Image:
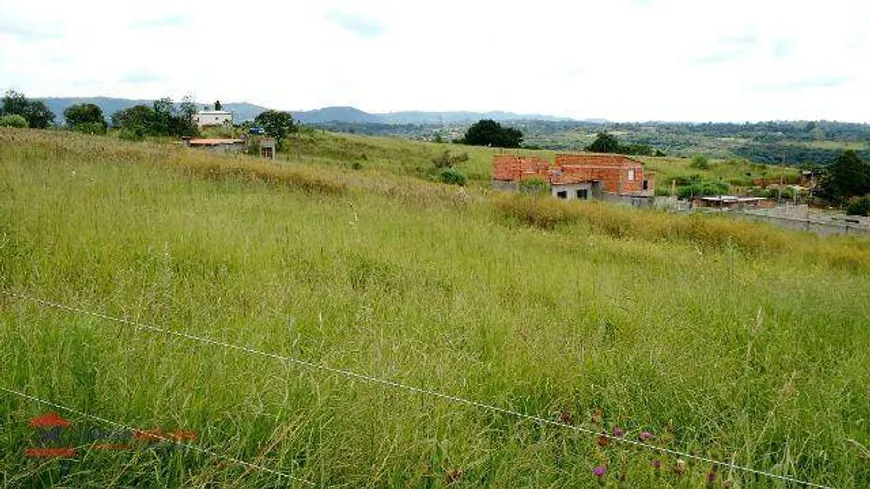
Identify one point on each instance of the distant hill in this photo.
(108, 104)
(353, 115)
(244, 111)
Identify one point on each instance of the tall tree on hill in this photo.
(277, 124)
(35, 111)
(488, 132)
(85, 115)
(847, 177)
(218, 105)
(604, 143)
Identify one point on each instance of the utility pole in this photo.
(781, 175)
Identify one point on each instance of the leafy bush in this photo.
(702, 189)
(13, 120)
(132, 134)
(90, 128)
(447, 160)
(859, 206)
(452, 176)
(700, 162)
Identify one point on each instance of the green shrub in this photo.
(447, 160)
(700, 162)
(859, 206)
(534, 186)
(356, 165)
(90, 128)
(702, 189)
(13, 120)
(453, 176)
(132, 134)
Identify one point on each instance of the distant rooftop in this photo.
(214, 142)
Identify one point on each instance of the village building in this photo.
(579, 176)
(205, 118)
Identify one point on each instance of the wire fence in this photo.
(416, 390)
(153, 435)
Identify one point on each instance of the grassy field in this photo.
(394, 156)
(721, 338)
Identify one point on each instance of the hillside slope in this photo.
(718, 338)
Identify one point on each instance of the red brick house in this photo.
(580, 176)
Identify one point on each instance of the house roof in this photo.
(214, 142)
(214, 112)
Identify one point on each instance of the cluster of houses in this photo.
(267, 146)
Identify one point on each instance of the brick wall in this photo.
(512, 168)
(618, 174)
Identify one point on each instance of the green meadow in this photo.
(722, 339)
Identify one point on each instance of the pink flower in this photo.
(646, 435)
(657, 464)
(599, 471)
(617, 432)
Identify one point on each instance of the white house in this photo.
(212, 117)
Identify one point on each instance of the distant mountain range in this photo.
(244, 111)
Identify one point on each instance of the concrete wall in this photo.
(628, 200)
(571, 191)
(212, 119)
(224, 148)
(808, 225)
(506, 186)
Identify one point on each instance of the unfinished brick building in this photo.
(577, 176)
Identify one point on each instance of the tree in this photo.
(78, 115)
(847, 177)
(218, 105)
(488, 132)
(604, 143)
(35, 111)
(277, 124)
(135, 121)
(182, 124)
(161, 120)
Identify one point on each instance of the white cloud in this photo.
(621, 59)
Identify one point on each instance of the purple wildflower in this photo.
(646, 435)
(657, 464)
(617, 432)
(599, 471)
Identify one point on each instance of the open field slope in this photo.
(414, 158)
(739, 343)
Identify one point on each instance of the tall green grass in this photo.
(750, 348)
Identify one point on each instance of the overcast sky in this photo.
(697, 60)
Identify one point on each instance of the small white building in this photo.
(212, 118)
